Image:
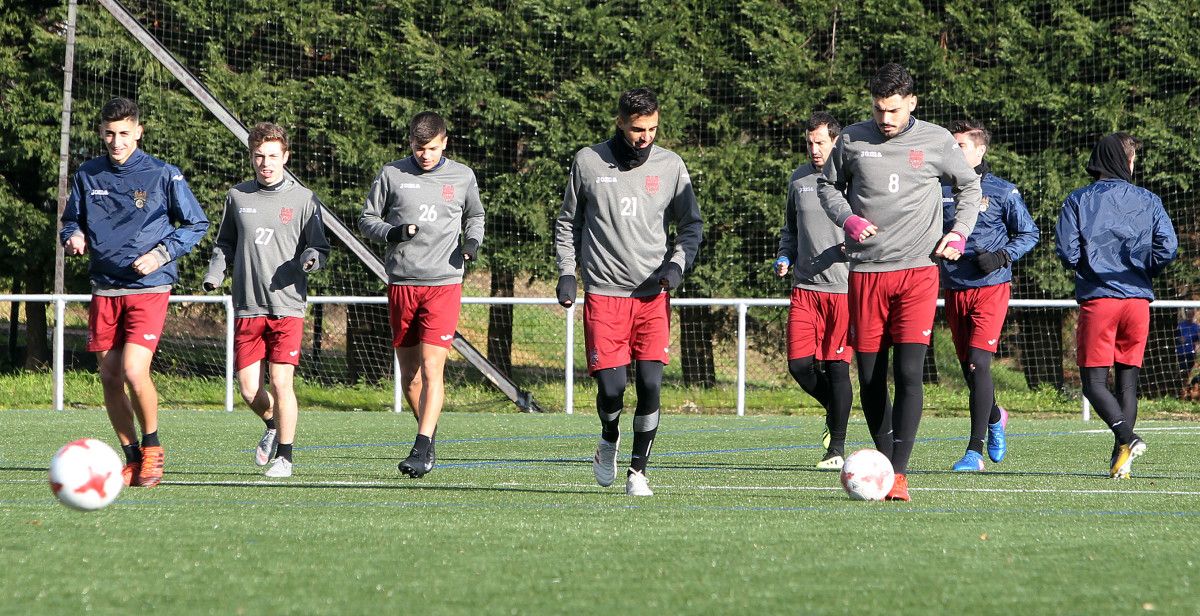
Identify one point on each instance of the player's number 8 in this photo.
(894, 182)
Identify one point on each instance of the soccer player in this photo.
(620, 197)
(978, 287)
(135, 216)
(273, 237)
(420, 206)
(882, 185)
(810, 246)
(1116, 236)
(1185, 342)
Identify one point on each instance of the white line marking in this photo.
(1184, 429)
(404, 483)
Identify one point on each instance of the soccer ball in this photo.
(867, 475)
(86, 474)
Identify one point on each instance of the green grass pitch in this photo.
(511, 522)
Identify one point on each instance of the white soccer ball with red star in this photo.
(867, 475)
(86, 474)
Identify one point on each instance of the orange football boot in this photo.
(152, 467)
(130, 472)
(899, 490)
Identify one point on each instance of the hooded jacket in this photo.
(1116, 236)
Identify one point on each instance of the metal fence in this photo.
(547, 345)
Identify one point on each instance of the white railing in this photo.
(741, 304)
(60, 303)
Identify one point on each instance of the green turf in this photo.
(511, 522)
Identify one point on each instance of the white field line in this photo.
(997, 490)
(682, 488)
(1184, 429)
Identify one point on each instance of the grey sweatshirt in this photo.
(614, 223)
(268, 234)
(896, 185)
(809, 239)
(439, 202)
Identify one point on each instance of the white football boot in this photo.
(266, 447)
(279, 469)
(636, 484)
(604, 464)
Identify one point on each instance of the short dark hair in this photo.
(1129, 143)
(637, 102)
(973, 129)
(891, 80)
(425, 127)
(266, 131)
(118, 109)
(821, 118)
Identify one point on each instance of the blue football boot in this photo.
(971, 461)
(997, 442)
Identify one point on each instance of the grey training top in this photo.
(809, 239)
(439, 202)
(614, 223)
(896, 185)
(268, 234)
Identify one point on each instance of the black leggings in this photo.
(893, 425)
(610, 399)
(977, 371)
(829, 383)
(1118, 411)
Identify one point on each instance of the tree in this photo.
(30, 105)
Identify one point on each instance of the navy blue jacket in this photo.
(1003, 224)
(125, 211)
(1116, 236)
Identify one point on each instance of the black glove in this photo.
(670, 275)
(989, 262)
(402, 233)
(208, 286)
(310, 260)
(470, 250)
(566, 289)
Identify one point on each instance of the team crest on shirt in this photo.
(286, 214)
(139, 198)
(652, 183)
(983, 203)
(916, 158)
(448, 192)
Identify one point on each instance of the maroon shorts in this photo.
(1112, 330)
(817, 325)
(126, 319)
(275, 339)
(976, 317)
(892, 307)
(424, 314)
(619, 329)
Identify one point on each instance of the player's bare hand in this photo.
(146, 264)
(76, 245)
(951, 247)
